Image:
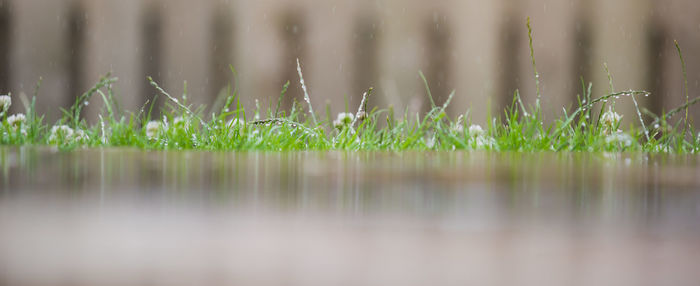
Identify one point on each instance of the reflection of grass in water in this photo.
(589, 127)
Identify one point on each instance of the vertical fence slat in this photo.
(657, 79)
(331, 28)
(675, 20)
(553, 41)
(365, 54)
(186, 48)
(221, 55)
(582, 47)
(39, 51)
(621, 42)
(112, 46)
(476, 53)
(75, 45)
(510, 51)
(5, 40)
(292, 30)
(438, 57)
(152, 52)
(400, 55)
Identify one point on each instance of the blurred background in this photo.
(479, 48)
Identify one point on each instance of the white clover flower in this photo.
(65, 134)
(611, 117)
(662, 149)
(610, 120)
(430, 142)
(5, 102)
(60, 133)
(479, 139)
(481, 142)
(476, 131)
(182, 121)
(16, 120)
(233, 123)
(153, 128)
(619, 139)
(178, 120)
(344, 119)
(80, 136)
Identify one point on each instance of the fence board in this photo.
(40, 50)
(478, 48)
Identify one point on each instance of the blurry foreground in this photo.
(124, 217)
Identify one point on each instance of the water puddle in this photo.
(129, 217)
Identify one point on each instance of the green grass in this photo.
(593, 125)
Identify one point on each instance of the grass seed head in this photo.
(458, 127)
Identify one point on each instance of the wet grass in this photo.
(593, 125)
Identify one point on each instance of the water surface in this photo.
(129, 217)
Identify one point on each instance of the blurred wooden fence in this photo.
(479, 48)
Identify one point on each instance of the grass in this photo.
(592, 125)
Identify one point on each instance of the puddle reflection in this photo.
(238, 216)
